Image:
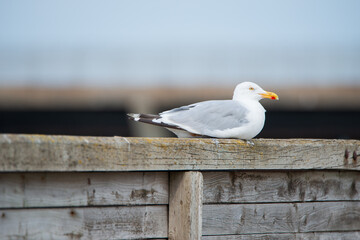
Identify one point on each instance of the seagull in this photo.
(242, 117)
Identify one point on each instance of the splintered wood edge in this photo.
(24, 153)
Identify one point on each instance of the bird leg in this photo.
(249, 142)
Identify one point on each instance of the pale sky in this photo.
(178, 42)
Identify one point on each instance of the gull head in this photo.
(252, 91)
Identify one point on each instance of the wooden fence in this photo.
(62, 187)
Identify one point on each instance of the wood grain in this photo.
(68, 153)
(185, 205)
(19, 190)
(221, 219)
(287, 236)
(280, 186)
(84, 223)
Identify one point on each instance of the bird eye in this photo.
(251, 88)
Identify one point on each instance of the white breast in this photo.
(256, 120)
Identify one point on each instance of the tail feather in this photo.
(157, 121)
(149, 118)
(133, 116)
(138, 116)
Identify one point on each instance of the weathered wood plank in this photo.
(68, 153)
(287, 236)
(280, 186)
(84, 223)
(82, 189)
(281, 218)
(185, 205)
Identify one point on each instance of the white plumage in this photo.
(242, 117)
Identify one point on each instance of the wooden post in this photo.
(185, 205)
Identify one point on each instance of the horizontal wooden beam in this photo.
(137, 222)
(286, 236)
(68, 153)
(83, 189)
(258, 187)
(233, 219)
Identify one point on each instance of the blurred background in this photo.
(77, 67)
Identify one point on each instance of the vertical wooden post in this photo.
(185, 205)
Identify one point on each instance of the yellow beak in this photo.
(270, 95)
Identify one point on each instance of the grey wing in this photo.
(204, 117)
(179, 109)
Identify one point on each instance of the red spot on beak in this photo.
(269, 95)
